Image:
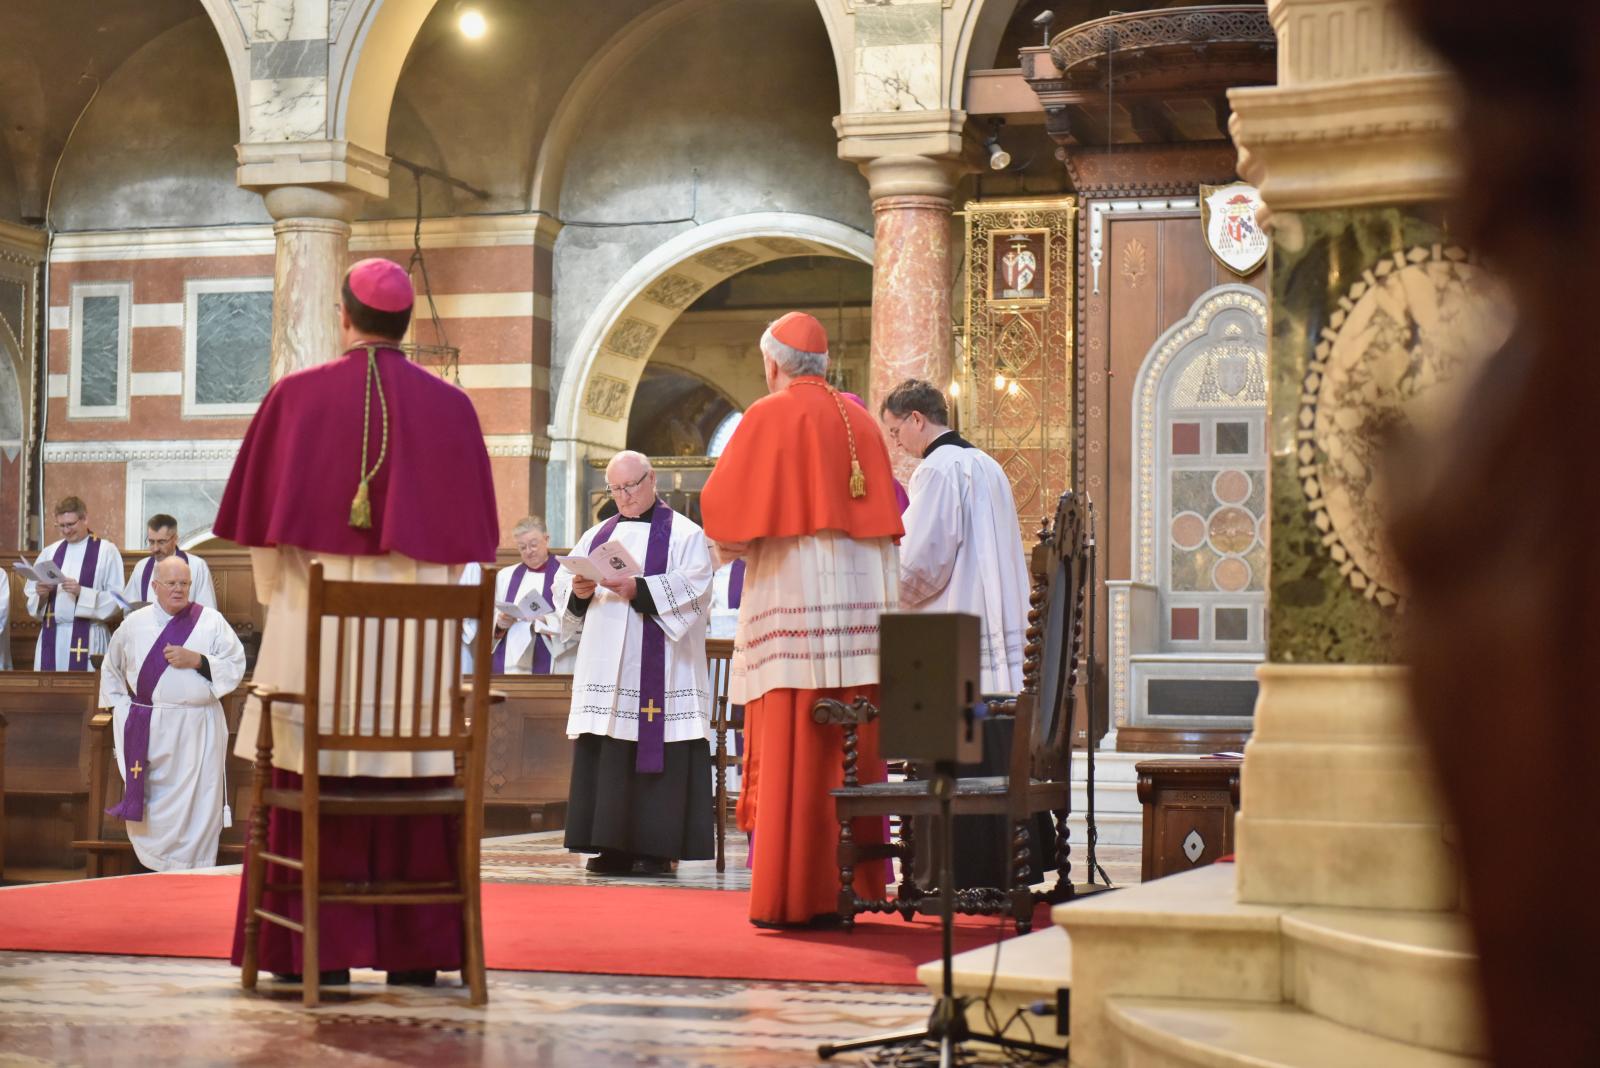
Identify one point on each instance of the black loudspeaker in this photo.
(928, 672)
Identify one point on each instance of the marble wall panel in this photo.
(1321, 609)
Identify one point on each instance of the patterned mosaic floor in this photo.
(110, 1011)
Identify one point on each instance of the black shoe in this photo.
(608, 863)
(336, 977)
(414, 977)
(655, 866)
(822, 921)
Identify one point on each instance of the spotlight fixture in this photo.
(1045, 20)
(472, 24)
(999, 381)
(999, 158)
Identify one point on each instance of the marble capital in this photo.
(338, 164)
(912, 178)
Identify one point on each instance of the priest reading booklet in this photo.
(641, 703)
(73, 611)
(161, 535)
(527, 633)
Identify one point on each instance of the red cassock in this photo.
(786, 474)
(432, 500)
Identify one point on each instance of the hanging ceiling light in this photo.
(999, 381)
(472, 24)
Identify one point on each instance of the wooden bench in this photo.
(47, 768)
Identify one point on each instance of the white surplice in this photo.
(610, 637)
(185, 784)
(963, 553)
(93, 602)
(283, 584)
(201, 589)
(808, 617)
(520, 637)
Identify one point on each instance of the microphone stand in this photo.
(947, 1028)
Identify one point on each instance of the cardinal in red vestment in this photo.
(805, 494)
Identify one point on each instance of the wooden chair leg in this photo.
(1021, 868)
(472, 965)
(847, 873)
(255, 874)
(310, 910)
(1063, 855)
(720, 797)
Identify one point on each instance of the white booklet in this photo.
(44, 571)
(528, 606)
(604, 562)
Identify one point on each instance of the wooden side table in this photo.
(1188, 812)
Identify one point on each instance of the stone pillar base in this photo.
(1337, 804)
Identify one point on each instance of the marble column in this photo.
(312, 227)
(1371, 308)
(912, 334)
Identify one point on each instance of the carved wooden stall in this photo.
(47, 772)
(1189, 807)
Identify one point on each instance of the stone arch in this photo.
(982, 25)
(236, 43)
(591, 411)
(365, 54)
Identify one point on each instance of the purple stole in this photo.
(149, 569)
(651, 754)
(541, 653)
(736, 584)
(136, 731)
(76, 661)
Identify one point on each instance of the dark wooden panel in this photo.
(1184, 798)
(530, 757)
(46, 764)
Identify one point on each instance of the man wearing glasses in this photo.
(161, 534)
(74, 614)
(166, 671)
(522, 647)
(641, 698)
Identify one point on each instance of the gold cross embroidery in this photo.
(650, 710)
(136, 770)
(80, 649)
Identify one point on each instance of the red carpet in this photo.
(606, 930)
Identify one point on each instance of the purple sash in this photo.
(78, 648)
(136, 731)
(541, 653)
(149, 569)
(736, 584)
(651, 754)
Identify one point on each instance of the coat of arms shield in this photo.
(1233, 233)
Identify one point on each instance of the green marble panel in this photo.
(1191, 492)
(1315, 614)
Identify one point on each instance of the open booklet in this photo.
(126, 605)
(604, 563)
(529, 606)
(44, 571)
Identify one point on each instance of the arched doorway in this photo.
(621, 337)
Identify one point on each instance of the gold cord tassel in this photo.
(360, 504)
(361, 508)
(858, 481)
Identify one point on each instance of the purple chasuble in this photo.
(78, 648)
(150, 569)
(651, 754)
(136, 731)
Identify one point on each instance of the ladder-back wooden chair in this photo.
(1038, 779)
(719, 661)
(423, 709)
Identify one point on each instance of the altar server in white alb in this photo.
(161, 535)
(522, 647)
(166, 671)
(73, 617)
(963, 546)
(641, 705)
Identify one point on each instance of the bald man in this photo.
(166, 671)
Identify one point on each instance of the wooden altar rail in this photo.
(57, 767)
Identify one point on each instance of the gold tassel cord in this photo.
(361, 504)
(858, 478)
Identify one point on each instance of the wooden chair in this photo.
(1038, 780)
(451, 718)
(719, 657)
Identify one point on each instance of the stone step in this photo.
(1115, 828)
(1108, 797)
(1407, 976)
(1111, 766)
(1172, 1033)
(1030, 968)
